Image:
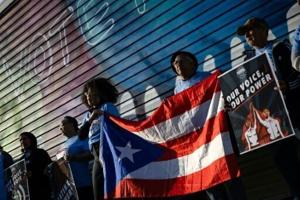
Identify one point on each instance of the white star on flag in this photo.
(127, 151)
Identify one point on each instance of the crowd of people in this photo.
(99, 96)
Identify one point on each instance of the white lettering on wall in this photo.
(97, 27)
(140, 6)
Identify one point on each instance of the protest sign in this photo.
(62, 182)
(257, 110)
(16, 181)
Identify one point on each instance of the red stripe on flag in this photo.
(208, 177)
(175, 105)
(189, 143)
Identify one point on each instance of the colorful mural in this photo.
(49, 49)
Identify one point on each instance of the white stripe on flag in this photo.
(185, 123)
(219, 147)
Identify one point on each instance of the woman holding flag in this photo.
(99, 95)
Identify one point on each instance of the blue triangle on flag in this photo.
(123, 152)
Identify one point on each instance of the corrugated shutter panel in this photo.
(50, 48)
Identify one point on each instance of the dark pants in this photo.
(292, 103)
(85, 193)
(230, 190)
(217, 192)
(97, 176)
(234, 187)
(287, 161)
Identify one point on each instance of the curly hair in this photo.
(106, 91)
(184, 53)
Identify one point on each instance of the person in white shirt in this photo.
(272, 124)
(185, 64)
(295, 55)
(250, 134)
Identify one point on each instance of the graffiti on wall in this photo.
(46, 60)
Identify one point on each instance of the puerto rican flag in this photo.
(182, 148)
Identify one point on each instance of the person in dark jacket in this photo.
(37, 161)
(285, 155)
(295, 56)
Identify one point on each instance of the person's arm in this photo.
(83, 131)
(247, 139)
(45, 158)
(259, 118)
(295, 55)
(254, 121)
(296, 62)
(278, 127)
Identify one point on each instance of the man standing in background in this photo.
(185, 65)
(296, 48)
(285, 155)
(78, 154)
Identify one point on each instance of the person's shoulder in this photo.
(110, 108)
(5, 154)
(77, 140)
(43, 155)
(41, 151)
(281, 45)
